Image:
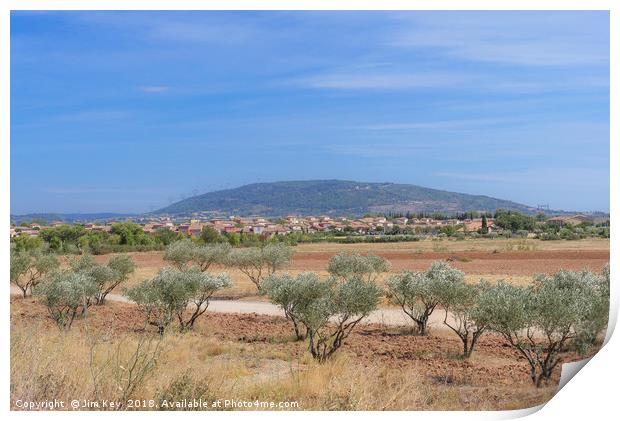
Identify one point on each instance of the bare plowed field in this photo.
(514, 260)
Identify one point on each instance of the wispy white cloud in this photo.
(183, 27)
(353, 80)
(528, 39)
(571, 176)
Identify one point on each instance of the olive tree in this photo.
(162, 297)
(332, 309)
(597, 315)
(180, 253)
(201, 287)
(168, 295)
(259, 262)
(107, 277)
(463, 313)
(183, 253)
(344, 265)
(208, 255)
(291, 293)
(276, 256)
(122, 266)
(64, 293)
(28, 268)
(419, 293)
(541, 319)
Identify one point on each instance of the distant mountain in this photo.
(69, 217)
(334, 197)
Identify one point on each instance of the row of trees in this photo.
(68, 292)
(129, 236)
(541, 320)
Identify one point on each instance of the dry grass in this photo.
(453, 245)
(221, 360)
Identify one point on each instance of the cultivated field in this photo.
(254, 357)
(513, 260)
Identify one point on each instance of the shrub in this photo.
(201, 287)
(464, 314)
(276, 256)
(419, 293)
(180, 253)
(541, 319)
(161, 297)
(167, 296)
(259, 262)
(106, 277)
(331, 311)
(28, 268)
(291, 293)
(567, 234)
(64, 293)
(206, 256)
(344, 265)
(123, 266)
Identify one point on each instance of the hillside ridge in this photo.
(335, 197)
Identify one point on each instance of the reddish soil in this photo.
(435, 356)
(500, 263)
(508, 263)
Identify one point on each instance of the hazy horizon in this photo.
(127, 112)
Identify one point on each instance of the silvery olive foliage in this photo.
(212, 254)
(464, 314)
(65, 293)
(328, 309)
(540, 320)
(257, 263)
(331, 311)
(123, 266)
(180, 253)
(106, 276)
(184, 253)
(597, 316)
(291, 292)
(419, 293)
(172, 292)
(201, 287)
(276, 256)
(161, 297)
(344, 265)
(29, 267)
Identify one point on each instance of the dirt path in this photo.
(385, 316)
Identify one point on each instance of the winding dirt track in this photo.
(385, 316)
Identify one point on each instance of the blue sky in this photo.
(128, 111)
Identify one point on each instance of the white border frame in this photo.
(591, 394)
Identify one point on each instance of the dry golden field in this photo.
(249, 357)
(491, 259)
